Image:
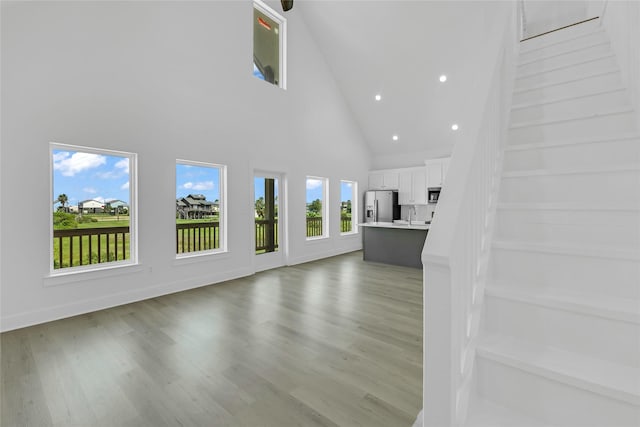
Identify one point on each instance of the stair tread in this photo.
(565, 81)
(568, 118)
(560, 67)
(525, 49)
(485, 413)
(578, 141)
(564, 52)
(572, 171)
(617, 88)
(624, 309)
(599, 376)
(564, 248)
(569, 206)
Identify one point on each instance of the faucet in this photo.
(411, 209)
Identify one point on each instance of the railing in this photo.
(345, 224)
(456, 251)
(85, 246)
(264, 241)
(314, 226)
(197, 236)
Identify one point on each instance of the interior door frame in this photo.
(278, 258)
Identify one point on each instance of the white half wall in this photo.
(166, 80)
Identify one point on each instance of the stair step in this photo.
(562, 248)
(564, 98)
(569, 58)
(578, 69)
(540, 269)
(594, 375)
(605, 306)
(575, 141)
(608, 78)
(484, 413)
(560, 48)
(563, 36)
(571, 117)
(625, 207)
(603, 100)
(633, 167)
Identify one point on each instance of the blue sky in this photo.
(191, 179)
(84, 176)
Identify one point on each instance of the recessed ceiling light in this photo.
(378, 97)
(443, 78)
(394, 137)
(454, 126)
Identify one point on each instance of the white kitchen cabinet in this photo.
(436, 171)
(412, 188)
(383, 180)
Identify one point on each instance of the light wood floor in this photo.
(337, 342)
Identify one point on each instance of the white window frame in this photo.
(282, 42)
(325, 207)
(354, 207)
(133, 211)
(222, 214)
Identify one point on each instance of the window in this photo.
(317, 219)
(348, 207)
(269, 44)
(199, 207)
(93, 209)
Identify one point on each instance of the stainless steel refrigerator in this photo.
(381, 206)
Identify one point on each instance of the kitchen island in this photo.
(394, 243)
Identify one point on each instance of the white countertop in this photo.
(401, 226)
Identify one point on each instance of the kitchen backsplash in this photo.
(422, 212)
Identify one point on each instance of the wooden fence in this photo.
(84, 246)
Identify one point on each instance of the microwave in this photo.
(433, 194)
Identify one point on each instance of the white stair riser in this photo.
(609, 187)
(611, 228)
(560, 48)
(553, 402)
(596, 154)
(591, 336)
(596, 103)
(564, 59)
(562, 36)
(589, 275)
(599, 126)
(574, 71)
(564, 88)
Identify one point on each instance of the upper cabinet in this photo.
(383, 180)
(413, 187)
(437, 171)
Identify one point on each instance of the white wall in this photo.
(622, 23)
(165, 80)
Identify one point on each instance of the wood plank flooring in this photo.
(336, 342)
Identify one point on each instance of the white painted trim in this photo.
(323, 255)
(30, 318)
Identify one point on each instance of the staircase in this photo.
(559, 343)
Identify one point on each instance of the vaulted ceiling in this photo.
(399, 49)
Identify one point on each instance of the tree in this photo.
(260, 207)
(315, 208)
(62, 199)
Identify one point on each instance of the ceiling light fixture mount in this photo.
(454, 126)
(378, 97)
(394, 137)
(443, 78)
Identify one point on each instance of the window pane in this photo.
(198, 207)
(346, 206)
(315, 207)
(266, 46)
(92, 207)
(266, 214)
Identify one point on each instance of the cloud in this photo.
(90, 190)
(124, 165)
(312, 184)
(199, 186)
(125, 186)
(71, 164)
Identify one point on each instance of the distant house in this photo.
(117, 206)
(90, 206)
(195, 206)
(73, 209)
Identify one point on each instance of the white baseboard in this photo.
(324, 254)
(75, 308)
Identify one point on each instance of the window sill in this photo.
(198, 257)
(349, 234)
(317, 238)
(63, 278)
